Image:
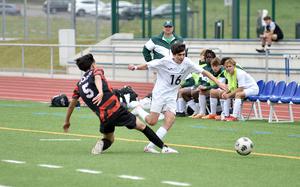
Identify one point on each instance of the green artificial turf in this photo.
(206, 156)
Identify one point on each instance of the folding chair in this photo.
(274, 99)
(286, 98)
(255, 102)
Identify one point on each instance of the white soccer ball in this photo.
(243, 146)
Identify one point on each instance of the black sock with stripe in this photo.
(150, 134)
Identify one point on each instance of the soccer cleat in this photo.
(168, 150)
(198, 116)
(262, 50)
(231, 118)
(192, 116)
(209, 116)
(180, 114)
(148, 149)
(218, 118)
(98, 148)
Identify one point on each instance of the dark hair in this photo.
(267, 18)
(84, 63)
(215, 62)
(177, 48)
(224, 59)
(210, 53)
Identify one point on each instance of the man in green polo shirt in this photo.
(159, 46)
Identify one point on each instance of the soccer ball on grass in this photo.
(243, 146)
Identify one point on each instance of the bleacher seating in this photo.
(282, 96)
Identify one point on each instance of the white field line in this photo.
(60, 140)
(49, 166)
(176, 183)
(130, 177)
(88, 171)
(144, 141)
(14, 161)
(4, 186)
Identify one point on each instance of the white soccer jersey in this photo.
(170, 74)
(244, 79)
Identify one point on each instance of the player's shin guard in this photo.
(150, 134)
(106, 143)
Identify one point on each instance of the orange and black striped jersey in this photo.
(87, 90)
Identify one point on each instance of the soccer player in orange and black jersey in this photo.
(95, 91)
(86, 89)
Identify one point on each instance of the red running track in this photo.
(43, 89)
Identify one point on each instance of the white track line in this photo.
(88, 171)
(3, 186)
(60, 140)
(49, 166)
(130, 177)
(176, 183)
(14, 161)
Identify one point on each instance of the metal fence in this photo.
(38, 23)
(115, 59)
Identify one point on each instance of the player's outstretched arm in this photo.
(137, 67)
(69, 114)
(213, 78)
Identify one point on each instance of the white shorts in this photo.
(163, 104)
(251, 91)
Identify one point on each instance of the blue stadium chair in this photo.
(296, 97)
(278, 91)
(274, 99)
(255, 101)
(286, 98)
(289, 93)
(261, 85)
(267, 91)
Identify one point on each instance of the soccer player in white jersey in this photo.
(170, 71)
(240, 84)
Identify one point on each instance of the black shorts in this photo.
(120, 118)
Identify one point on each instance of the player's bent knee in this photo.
(152, 122)
(139, 125)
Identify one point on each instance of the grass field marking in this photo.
(88, 171)
(4, 186)
(143, 141)
(59, 140)
(294, 135)
(175, 183)
(201, 147)
(50, 166)
(14, 161)
(131, 177)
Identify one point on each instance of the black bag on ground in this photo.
(60, 100)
